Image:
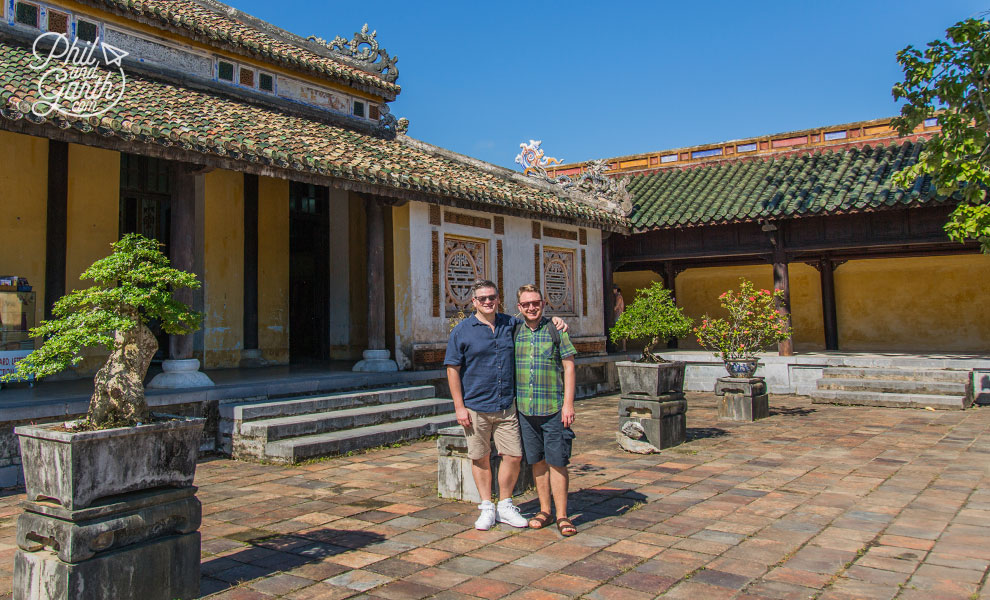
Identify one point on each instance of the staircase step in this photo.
(338, 442)
(310, 424)
(338, 401)
(893, 386)
(956, 376)
(938, 402)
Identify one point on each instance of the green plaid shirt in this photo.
(539, 377)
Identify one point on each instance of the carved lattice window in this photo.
(558, 280)
(464, 262)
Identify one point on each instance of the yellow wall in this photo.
(93, 206)
(223, 269)
(24, 210)
(273, 269)
(92, 222)
(697, 292)
(926, 304)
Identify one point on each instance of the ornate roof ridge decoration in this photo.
(389, 126)
(606, 193)
(363, 48)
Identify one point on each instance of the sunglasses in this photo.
(533, 304)
(486, 299)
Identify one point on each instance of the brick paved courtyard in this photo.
(814, 502)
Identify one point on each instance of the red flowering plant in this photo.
(753, 324)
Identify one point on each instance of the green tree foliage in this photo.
(131, 287)
(948, 80)
(653, 316)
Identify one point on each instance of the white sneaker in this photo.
(508, 513)
(487, 518)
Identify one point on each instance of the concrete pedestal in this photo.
(454, 478)
(376, 361)
(183, 373)
(742, 398)
(660, 422)
(138, 546)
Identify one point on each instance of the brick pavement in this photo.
(815, 502)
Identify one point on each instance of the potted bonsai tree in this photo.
(753, 326)
(652, 316)
(119, 437)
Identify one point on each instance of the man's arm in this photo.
(454, 381)
(567, 411)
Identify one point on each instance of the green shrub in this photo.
(652, 316)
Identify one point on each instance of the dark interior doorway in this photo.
(145, 208)
(309, 269)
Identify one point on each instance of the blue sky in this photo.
(605, 79)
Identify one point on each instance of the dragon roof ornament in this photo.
(365, 51)
(609, 193)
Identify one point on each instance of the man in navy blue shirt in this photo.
(481, 372)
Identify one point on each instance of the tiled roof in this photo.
(852, 179)
(211, 26)
(162, 114)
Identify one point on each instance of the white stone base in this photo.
(180, 374)
(376, 361)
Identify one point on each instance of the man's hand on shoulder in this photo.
(560, 324)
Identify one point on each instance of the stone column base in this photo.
(251, 358)
(742, 399)
(376, 361)
(182, 373)
(165, 569)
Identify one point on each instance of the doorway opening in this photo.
(309, 270)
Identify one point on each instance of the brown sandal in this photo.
(541, 518)
(566, 527)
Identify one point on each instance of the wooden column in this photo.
(826, 271)
(56, 223)
(250, 262)
(781, 281)
(608, 298)
(182, 245)
(376, 273)
(670, 282)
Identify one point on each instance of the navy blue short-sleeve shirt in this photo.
(487, 362)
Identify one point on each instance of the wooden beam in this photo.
(56, 223)
(376, 272)
(608, 297)
(182, 245)
(781, 281)
(250, 261)
(670, 282)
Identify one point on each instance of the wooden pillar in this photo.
(182, 245)
(670, 282)
(826, 272)
(250, 262)
(56, 223)
(608, 298)
(781, 281)
(376, 273)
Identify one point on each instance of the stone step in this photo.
(899, 374)
(893, 386)
(936, 401)
(318, 404)
(338, 442)
(270, 430)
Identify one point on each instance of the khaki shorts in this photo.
(503, 425)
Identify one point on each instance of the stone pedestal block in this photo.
(661, 424)
(454, 479)
(742, 398)
(164, 569)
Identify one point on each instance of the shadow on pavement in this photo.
(700, 433)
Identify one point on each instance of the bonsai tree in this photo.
(753, 324)
(653, 316)
(132, 286)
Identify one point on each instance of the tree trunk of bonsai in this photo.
(118, 397)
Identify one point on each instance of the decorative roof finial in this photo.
(363, 49)
(609, 192)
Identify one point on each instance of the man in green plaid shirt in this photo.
(545, 385)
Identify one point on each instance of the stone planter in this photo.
(742, 368)
(648, 380)
(76, 469)
(109, 514)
